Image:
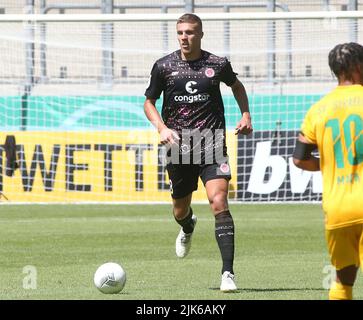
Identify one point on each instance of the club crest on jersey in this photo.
(224, 167)
(209, 72)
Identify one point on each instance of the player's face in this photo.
(189, 37)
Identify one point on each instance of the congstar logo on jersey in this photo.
(191, 87)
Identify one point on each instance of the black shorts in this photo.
(184, 177)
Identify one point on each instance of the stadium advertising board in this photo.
(266, 171)
(102, 167)
(115, 166)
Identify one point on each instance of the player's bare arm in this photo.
(166, 135)
(243, 126)
(303, 158)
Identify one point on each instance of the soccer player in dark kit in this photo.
(192, 122)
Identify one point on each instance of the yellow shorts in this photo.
(345, 246)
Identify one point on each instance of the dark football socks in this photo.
(224, 231)
(187, 223)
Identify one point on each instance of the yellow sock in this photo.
(339, 291)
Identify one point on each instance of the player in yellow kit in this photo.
(334, 126)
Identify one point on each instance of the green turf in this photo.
(280, 252)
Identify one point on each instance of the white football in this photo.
(110, 277)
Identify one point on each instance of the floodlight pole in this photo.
(271, 44)
(189, 6)
(42, 45)
(29, 64)
(353, 30)
(107, 46)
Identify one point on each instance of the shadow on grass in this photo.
(239, 290)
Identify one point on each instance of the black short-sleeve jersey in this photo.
(191, 90)
(191, 93)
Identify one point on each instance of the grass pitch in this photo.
(280, 252)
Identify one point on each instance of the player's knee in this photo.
(218, 202)
(180, 212)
